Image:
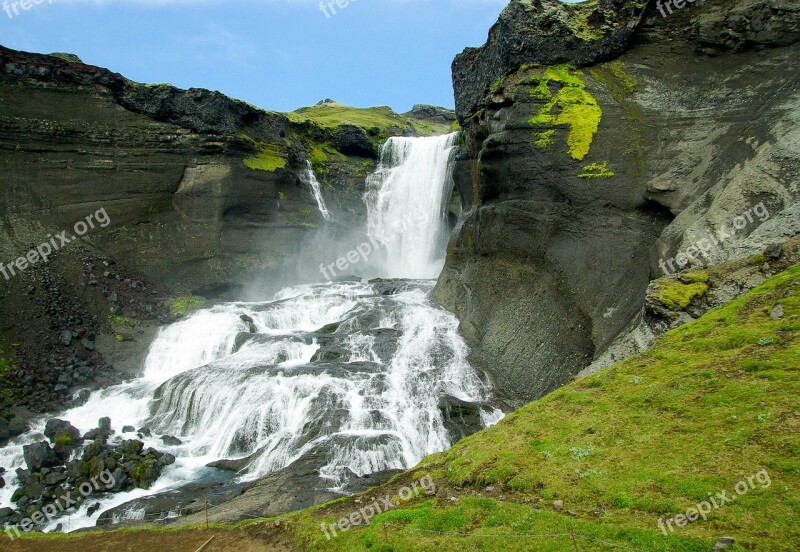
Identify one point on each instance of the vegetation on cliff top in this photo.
(377, 121)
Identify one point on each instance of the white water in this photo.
(373, 406)
(407, 200)
(316, 191)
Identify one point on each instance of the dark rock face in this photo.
(432, 113)
(547, 32)
(168, 165)
(564, 226)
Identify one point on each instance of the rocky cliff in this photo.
(606, 145)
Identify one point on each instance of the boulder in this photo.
(55, 429)
(39, 455)
(171, 441)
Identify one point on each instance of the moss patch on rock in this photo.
(596, 170)
(678, 294)
(270, 158)
(181, 307)
(566, 102)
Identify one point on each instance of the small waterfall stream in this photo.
(360, 375)
(311, 179)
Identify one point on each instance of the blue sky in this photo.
(276, 54)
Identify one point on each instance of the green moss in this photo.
(677, 295)
(270, 158)
(121, 323)
(498, 84)
(64, 440)
(544, 139)
(596, 170)
(182, 306)
(571, 105)
(627, 83)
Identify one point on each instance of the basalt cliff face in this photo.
(204, 192)
(602, 141)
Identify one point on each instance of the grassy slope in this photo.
(382, 118)
(713, 402)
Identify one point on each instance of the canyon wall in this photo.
(602, 140)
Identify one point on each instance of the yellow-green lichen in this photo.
(596, 170)
(571, 105)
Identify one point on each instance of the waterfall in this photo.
(358, 377)
(311, 179)
(407, 200)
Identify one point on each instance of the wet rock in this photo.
(104, 424)
(171, 441)
(55, 428)
(166, 459)
(461, 418)
(54, 478)
(7, 515)
(250, 323)
(231, 465)
(39, 455)
(128, 429)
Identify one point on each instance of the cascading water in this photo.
(407, 199)
(311, 179)
(358, 377)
